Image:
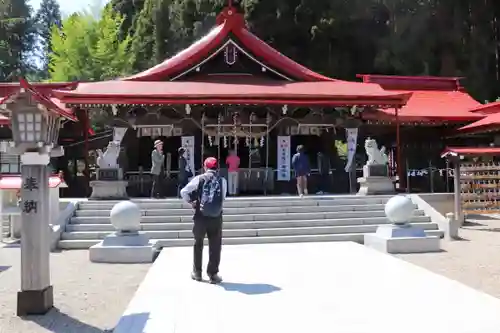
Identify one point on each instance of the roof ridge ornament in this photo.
(231, 15)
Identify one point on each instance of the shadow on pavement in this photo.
(58, 322)
(250, 288)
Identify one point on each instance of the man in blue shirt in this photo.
(302, 169)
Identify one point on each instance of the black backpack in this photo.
(210, 195)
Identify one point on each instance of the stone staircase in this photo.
(246, 220)
(5, 227)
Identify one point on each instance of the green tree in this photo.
(16, 39)
(143, 44)
(47, 16)
(87, 48)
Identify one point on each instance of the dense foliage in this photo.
(340, 38)
(335, 37)
(87, 48)
(48, 16)
(16, 39)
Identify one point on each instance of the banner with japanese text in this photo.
(187, 143)
(352, 141)
(284, 158)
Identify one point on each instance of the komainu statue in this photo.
(375, 155)
(109, 159)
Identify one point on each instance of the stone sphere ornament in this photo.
(399, 209)
(126, 216)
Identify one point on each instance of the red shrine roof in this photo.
(463, 151)
(15, 182)
(488, 124)
(300, 85)
(9, 89)
(489, 108)
(265, 92)
(433, 99)
(40, 92)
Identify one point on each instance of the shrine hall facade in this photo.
(232, 91)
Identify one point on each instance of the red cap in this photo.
(210, 163)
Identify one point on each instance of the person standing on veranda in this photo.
(157, 163)
(233, 168)
(206, 194)
(302, 169)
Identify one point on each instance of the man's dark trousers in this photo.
(212, 228)
(157, 188)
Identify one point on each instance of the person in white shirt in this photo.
(206, 194)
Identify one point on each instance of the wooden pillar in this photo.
(36, 295)
(86, 128)
(457, 197)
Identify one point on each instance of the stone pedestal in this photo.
(401, 237)
(109, 185)
(375, 180)
(125, 248)
(109, 189)
(127, 244)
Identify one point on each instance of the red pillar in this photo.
(86, 127)
(399, 159)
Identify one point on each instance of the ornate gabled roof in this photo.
(185, 78)
(230, 25)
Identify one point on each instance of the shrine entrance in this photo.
(249, 137)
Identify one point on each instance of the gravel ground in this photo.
(89, 298)
(474, 260)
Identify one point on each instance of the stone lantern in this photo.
(35, 122)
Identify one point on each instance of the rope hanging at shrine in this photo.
(203, 119)
(268, 123)
(219, 120)
(249, 145)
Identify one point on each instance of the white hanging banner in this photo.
(352, 141)
(187, 143)
(284, 158)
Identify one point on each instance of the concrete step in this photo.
(244, 203)
(247, 210)
(5, 230)
(246, 224)
(246, 217)
(356, 237)
(318, 230)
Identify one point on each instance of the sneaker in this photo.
(215, 279)
(196, 276)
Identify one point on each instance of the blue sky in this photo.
(71, 6)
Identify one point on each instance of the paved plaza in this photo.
(309, 287)
(91, 297)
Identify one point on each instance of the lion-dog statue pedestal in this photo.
(375, 178)
(109, 183)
